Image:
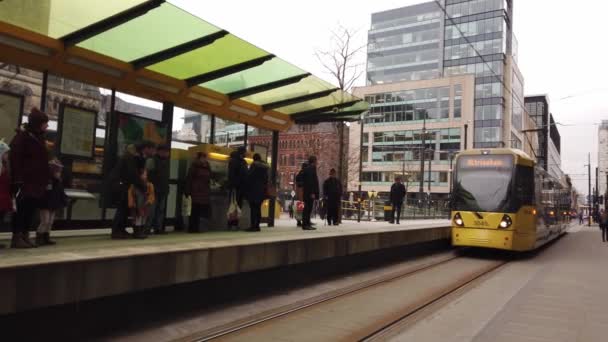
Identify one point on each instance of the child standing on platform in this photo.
(141, 201)
(6, 202)
(54, 199)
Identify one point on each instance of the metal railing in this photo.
(378, 210)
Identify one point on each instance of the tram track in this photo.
(332, 310)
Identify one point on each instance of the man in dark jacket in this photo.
(198, 188)
(158, 173)
(397, 196)
(237, 173)
(310, 192)
(299, 183)
(332, 192)
(125, 174)
(237, 178)
(257, 183)
(30, 173)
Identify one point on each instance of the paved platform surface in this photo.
(97, 245)
(559, 294)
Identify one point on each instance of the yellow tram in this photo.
(501, 200)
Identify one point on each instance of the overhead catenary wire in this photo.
(483, 59)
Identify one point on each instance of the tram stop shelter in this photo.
(155, 50)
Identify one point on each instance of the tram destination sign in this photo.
(486, 162)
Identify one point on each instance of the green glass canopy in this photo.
(161, 37)
(145, 35)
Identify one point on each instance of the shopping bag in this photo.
(186, 206)
(299, 209)
(234, 211)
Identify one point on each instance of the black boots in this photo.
(21, 240)
(44, 239)
(139, 233)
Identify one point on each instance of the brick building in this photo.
(297, 144)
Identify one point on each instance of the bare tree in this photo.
(341, 62)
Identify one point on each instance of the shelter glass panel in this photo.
(219, 55)
(57, 18)
(143, 36)
(273, 70)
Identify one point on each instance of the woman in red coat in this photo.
(30, 174)
(198, 188)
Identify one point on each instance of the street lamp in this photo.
(422, 153)
(362, 123)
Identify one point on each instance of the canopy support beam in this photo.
(267, 86)
(213, 75)
(336, 107)
(109, 23)
(298, 99)
(160, 56)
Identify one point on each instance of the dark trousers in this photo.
(256, 214)
(198, 211)
(332, 211)
(308, 204)
(396, 215)
(121, 216)
(24, 217)
(604, 233)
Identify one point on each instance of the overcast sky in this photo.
(562, 51)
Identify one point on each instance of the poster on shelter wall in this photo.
(133, 129)
(76, 132)
(11, 107)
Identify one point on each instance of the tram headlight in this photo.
(458, 220)
(506, 222)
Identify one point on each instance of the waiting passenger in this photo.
(125, 174)
(299, 183)
(604, 225)
(54, 199)
(332, 193)
(311, 192)
(141, 201)
(398, 193)
(30, 174)
(257, 184)
(198, 188)
(237, 179)
(158, 173)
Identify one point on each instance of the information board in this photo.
(11, 107)
(76, 132)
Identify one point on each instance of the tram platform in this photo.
(88, 266)
(557, 294)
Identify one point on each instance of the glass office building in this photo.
(456, 37)
(405, 44)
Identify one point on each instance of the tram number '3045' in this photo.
(482, 223)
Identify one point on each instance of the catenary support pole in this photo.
(43, 91)
(362, 123)
(273, 176)
(212, 130)
(589, 202)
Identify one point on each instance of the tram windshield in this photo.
(483, 183)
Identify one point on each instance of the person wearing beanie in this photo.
(30, 174)
(6, 203)
(53, 200)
